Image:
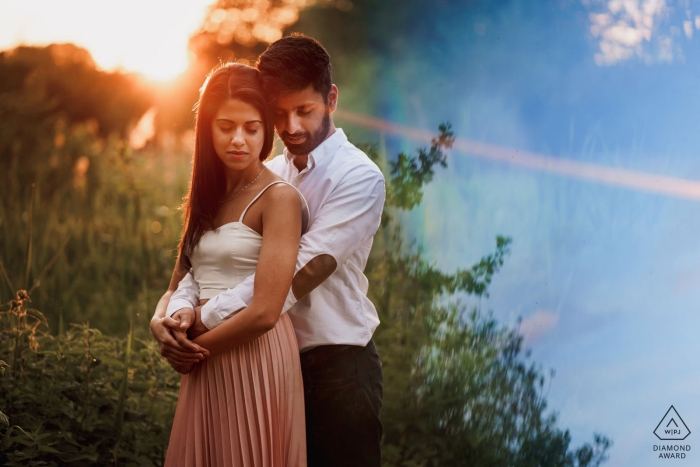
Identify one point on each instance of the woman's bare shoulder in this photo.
(284, 192)
(281, 196)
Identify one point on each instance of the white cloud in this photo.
(688, 28)
(665, 49)
(534, 327)
(626, 27)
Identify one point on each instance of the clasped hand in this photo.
(175, 334)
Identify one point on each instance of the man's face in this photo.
(303, 120)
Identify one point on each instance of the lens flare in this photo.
(670, 186)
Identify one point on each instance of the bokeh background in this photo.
(575, 140)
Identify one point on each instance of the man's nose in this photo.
(293, 124)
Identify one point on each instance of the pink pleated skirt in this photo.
(244, 407)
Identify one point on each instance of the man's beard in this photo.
(312, 139)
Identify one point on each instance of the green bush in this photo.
(80, 398)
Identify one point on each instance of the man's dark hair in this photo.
(294, 63)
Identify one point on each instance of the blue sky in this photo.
(606, 278)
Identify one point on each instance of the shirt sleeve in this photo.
(347, 218)
(186, 295)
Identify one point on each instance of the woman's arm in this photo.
(162, 328)
(273, 275)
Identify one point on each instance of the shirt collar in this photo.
(323, 151)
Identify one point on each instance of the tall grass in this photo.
(92, 230)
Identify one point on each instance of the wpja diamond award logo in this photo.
(672, 428)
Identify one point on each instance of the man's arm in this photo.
(350, 215)
(186, 295)
(164, 328)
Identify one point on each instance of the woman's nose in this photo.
(237, 137)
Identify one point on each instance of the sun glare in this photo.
(145, 36)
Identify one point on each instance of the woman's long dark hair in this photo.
(208, 183)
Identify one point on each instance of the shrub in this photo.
(80, 398)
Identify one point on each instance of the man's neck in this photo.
(300, 162)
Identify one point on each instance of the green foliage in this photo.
(409, 174)
(79, 211)
(81, 398)
(107, 216)
(459, 390)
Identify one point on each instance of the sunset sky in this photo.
(146, 36)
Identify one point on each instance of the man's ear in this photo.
(333, 98)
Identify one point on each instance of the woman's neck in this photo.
(236, 180)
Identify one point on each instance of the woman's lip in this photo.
(237, 153)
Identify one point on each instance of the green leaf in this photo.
(49, 449)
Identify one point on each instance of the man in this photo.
(332, 316)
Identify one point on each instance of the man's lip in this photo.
(295, 139)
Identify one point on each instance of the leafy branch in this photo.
(410, 174)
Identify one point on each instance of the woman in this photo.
(244, 404)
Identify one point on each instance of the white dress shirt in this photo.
(345, 193)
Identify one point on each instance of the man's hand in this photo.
(185, 316)
(180, 350)
(198, 328)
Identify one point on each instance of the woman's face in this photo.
(238, 134)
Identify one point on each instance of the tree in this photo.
(242, 29)
(46, 90)
(459, 388)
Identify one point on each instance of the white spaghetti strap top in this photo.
(224, 257)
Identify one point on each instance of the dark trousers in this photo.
(343, 387)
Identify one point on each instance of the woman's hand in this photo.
(182, 368)
(173, 343)
(185, 325)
